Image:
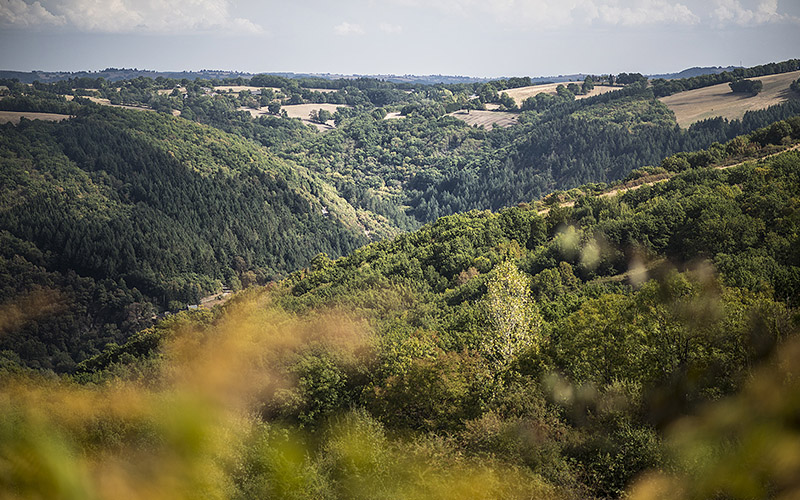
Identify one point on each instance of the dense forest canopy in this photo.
(129, 213)
(589, 303)
(145, 213)
(560, 350)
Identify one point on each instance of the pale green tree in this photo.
(516, 325)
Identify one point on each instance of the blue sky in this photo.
(457, 37)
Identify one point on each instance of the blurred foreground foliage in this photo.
(747, 446)
(187, 426)
(255, 402)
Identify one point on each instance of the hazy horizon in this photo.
(399, 37)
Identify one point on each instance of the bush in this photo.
(746, 86)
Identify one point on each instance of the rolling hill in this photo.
(695, 71)
(568, 353)
(149, 212)
(519, 94)
(590, 303)
(719, 101)
(117, 216)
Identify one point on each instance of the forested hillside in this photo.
(418, 168)
(582, 351)
(423, 163)
(113, 217)
(116, 215)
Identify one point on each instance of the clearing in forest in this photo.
(15, 116)
(182, 90)
(487, 119)
(239, 88)
(718, 100)
(235, 89)
(105, 102)
(301, 111)
(522, 93)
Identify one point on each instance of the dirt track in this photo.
(649, 181)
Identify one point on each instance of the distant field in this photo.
(301, 111)
(522, 93)
(105, 102)
(182, 90)
(487, 119)
(239, 88)
(709, 102)
(15, 116)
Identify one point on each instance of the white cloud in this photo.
(560, 13)
(130, 16)
(19, 13)
(345, 29)
(554, 14)
(605, 12)
(733, 12)
(648, 12)
(392, 29)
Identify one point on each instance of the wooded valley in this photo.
(592, 302)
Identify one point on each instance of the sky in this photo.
(481, 38)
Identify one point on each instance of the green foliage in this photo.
(124, 213)
(508, 102)
(746, 86)
(398, 174)
(630, 78)
(553, 348)
(588, 85)
(630, 112)
(513, 316)
(433, 394)
(795, 85)
(565, 93)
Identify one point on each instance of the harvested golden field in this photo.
(239, 88)
(255, 113)
(105, 102)
(15, 116)
(486, 119)
(301, 111)
(522, 93)
(718, 100)
(182, 90)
